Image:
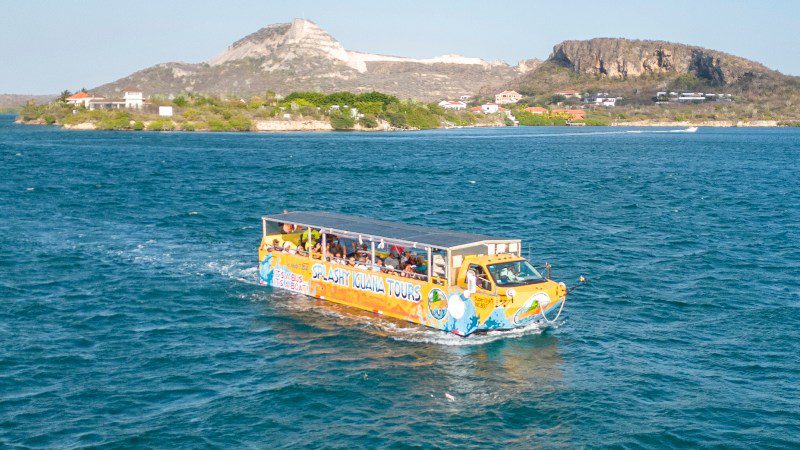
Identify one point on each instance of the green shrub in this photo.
(191, 114)
(48, 119)
(533, 120)
(420, 117)
(368, 121)
(108, 120)
(240, 123)
(219, 125)
(138, 126)
(342, 120)
(596, 121)
(397, 120)
(160, 125)
(373, 108)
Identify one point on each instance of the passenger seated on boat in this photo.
(377, 267)
(351, 261)
(317, 251)
(362, 262)
(392, 261)
(406, 258)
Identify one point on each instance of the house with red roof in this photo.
(82, 99)
(536, 110)
(570, 114)
(455, 105)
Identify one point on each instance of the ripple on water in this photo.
(132, 315)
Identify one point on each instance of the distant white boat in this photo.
(690, 130)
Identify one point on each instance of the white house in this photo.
(605, 101)
(464, 98)
(458, 106)
(133, 98)
(490, 108)
(82, 99)
(569, 93)
(691, 97)
(106, 103)
(507, 97)
(165, 111)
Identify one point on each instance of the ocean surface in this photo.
(130, 314)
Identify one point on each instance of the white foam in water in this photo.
(585, 133)
(237, 270)
(386, 327)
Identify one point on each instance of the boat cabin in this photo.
(437, 254)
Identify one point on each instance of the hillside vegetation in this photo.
(193, 112)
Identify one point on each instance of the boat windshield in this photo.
(515, 273)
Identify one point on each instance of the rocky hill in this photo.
(301, 56)
(639, 68)
(623, 58)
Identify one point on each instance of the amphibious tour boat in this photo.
(457, 282)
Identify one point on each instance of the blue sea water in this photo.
(130, 314)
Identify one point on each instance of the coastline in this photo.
(311, 125)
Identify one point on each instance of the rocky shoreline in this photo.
(321, 125)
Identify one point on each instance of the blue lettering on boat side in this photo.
(367, 282)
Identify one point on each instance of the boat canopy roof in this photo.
(381, 229)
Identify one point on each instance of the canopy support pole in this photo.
(430, 270)
(372, 245)
(447, 268)
(324, 245)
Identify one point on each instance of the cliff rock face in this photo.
(301, 56)
(623, 58)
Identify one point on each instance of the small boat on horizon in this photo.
(457, 282)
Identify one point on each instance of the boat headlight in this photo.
(562, 290)
(510, 293)
(456, 306)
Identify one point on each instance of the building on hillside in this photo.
(465, 98)
(133, 97)
(569, 93)
(602, 99)
(81, 99)
(507, 97)
(476, 109)
(490, 108)
(691, 97)
(570, 114)
(107, 103)
(446, 104)
(165, 111)
(536, 110)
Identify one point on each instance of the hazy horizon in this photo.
(52, 47)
